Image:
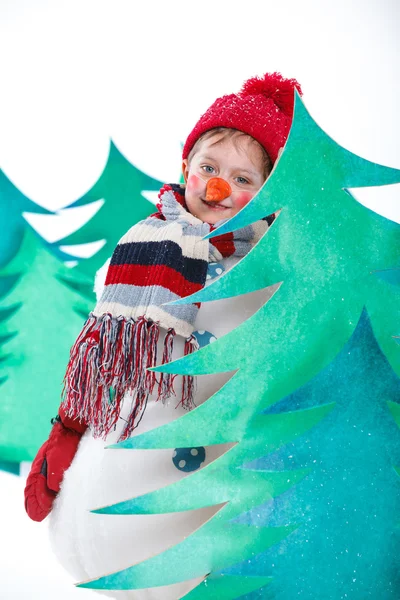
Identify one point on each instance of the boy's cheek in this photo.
(195, 185)
(243, 198)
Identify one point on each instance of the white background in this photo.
(76, 73)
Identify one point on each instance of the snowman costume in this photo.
(90, 545)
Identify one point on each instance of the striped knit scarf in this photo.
(161, 259)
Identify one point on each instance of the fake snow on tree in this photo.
(189, 459)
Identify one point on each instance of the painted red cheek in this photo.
(242, 199)
(194, 184)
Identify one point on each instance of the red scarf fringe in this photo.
(110, 359)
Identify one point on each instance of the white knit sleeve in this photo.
(100, 278)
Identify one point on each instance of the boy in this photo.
(226, 159)
(232, 156)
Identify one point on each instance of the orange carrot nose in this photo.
(217, 189)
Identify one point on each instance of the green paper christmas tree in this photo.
(324, 254)
(120, 185)
(12, 223)
(10, 466)
(41, 312)
(13, 205)
(348, 506)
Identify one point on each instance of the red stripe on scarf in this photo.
(224, 243)
(144, 275)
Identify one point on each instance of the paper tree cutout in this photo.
(10, 467)
(322, 253)
(12, 223)
(349, 505)
(120, 185)
(41, 313)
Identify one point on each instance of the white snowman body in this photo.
(91, 545)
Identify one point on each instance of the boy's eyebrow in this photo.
(250, 172)
(204, 157)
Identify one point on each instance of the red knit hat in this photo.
(263, 109)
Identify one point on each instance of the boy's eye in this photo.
(242, 180)
(208, 169)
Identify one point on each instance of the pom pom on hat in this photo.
(263, 109)
(273, 86)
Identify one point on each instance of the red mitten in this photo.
(52, 460)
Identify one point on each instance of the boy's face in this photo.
(240, 164)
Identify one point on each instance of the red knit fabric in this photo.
(52, 460)
(144, 275)
(263, 109)
(224, 243)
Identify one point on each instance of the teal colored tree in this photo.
(120, 185)
(326, 255)
(12, 223)
(42, 309)
(13, 205)
(10, 467)
(349, 504)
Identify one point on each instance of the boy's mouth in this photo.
(215, 205)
